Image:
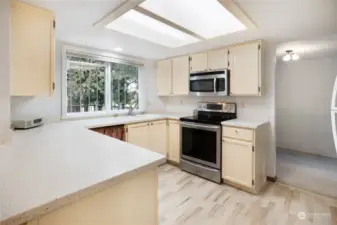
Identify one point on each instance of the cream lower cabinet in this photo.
(131, 201)
(150, 135)
(174, 141)
(244, 157)
(237, 160)
(138, 134)
(158, 137)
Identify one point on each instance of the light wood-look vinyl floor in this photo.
(185, 199)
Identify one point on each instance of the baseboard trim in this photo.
(272, 179)
(173, 163)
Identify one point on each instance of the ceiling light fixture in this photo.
(142, 26)
(294, 56)
(207, 18)
(290, 56)
(118, 49)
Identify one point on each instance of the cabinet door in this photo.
(217, 59)
(198, 62)
(164, 77)
(158, 137)
(100, 130)
(174, 141)
(115, 132)
(245, 67)
(32, 50)
(138, 134)
(237, 161)
(180, 75)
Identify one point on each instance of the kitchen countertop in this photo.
(114, 121)
(57, 164)
(244, 123)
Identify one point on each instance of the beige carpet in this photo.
(310, 172)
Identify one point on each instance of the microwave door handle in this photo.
(214, 82)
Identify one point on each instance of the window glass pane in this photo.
(124, 86)
(85, 84)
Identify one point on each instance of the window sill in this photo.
(92, 115)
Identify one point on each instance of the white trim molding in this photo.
(334, 113)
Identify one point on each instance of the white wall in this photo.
(303, 95)
(4, 71)
(47, 107)
(50, 108)
(252, 108)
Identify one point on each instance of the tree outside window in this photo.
(86, 85)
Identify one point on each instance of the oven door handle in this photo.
(199, 126)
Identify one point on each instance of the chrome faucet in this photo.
(130, 113)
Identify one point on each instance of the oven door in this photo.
(201, 143)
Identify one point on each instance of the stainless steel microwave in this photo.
(211, 83)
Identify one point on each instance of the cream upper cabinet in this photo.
(138, 134)
(237, 161)
(164, 77)
(198, 62)
(174, 141)
(32, 50)
(158, 137)
(217, 59)
(245, 69)
(180, 75)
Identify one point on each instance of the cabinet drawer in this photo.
(238, 133)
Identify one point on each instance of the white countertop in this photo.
(57, 164)
(114, 121)
(244, 123)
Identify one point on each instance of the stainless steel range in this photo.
(200, 147)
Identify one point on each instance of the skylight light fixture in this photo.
(145, 27)
(118, 49)
(174, 23)
(207, 18)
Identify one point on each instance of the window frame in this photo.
(104, 56)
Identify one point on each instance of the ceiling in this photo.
(277, 20)
(310, 48)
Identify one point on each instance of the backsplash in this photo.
(254, 108)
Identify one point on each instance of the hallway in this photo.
(310, 172)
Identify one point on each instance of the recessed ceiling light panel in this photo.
(118, 49)
(142, 26)
(207, 18)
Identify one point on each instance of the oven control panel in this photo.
(217, 107)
